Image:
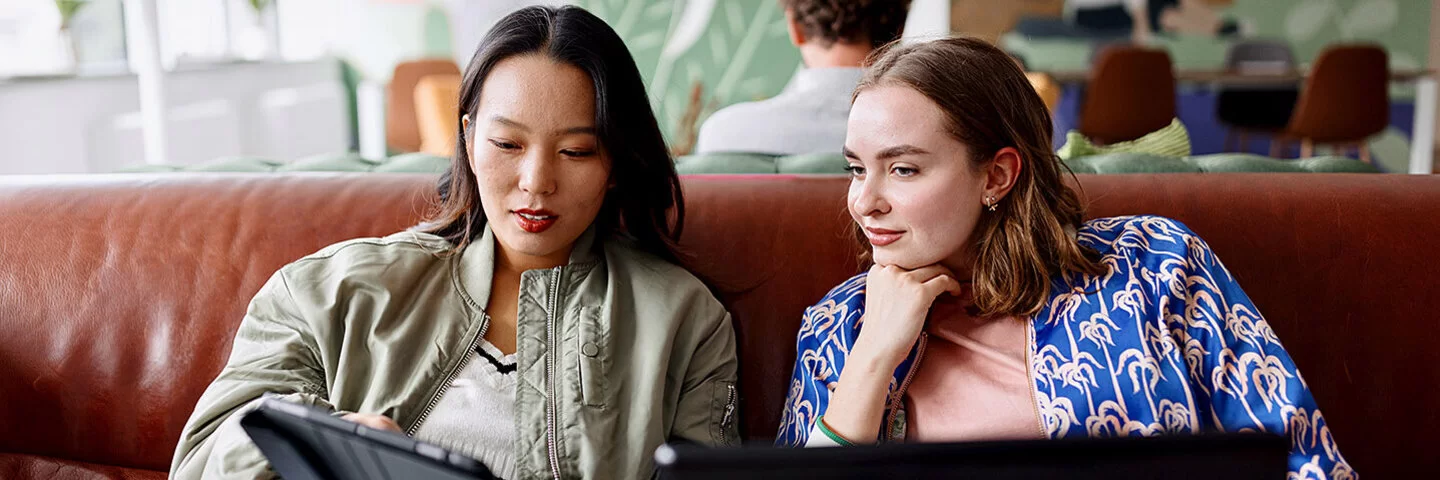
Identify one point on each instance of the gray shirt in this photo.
(807, 117)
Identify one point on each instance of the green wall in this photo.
(1401, 26)
(737, 50)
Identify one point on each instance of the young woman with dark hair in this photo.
(521, 325)
(992, 310)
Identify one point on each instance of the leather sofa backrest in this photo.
(119, 295)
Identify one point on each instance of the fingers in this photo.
(378, 422)
(929, 272)
(933, 279)
(941, 284)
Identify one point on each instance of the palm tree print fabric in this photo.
(1166, 342)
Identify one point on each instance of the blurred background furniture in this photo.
(730, 163)
(402, 131)
(437, 113)
(1421, 159)
(1131, 92)
(1046, 87)
(1110, 163)
(418, 162)
(1344, 102)
(1256, 109)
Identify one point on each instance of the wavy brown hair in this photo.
(877, 22)
(990, 105)
(646, 203)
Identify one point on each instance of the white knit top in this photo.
(476, 414)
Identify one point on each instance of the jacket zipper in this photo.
(449, 377)
(900, 392)
(1030, 373)
(551, 434)
(729, 415)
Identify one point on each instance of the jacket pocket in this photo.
(594, 342)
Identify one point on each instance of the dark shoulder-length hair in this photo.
(646, 188)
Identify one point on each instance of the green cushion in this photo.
(1245, 162)
(1131, 162)
(1336, 164)
(730, 163)
(1079, 165)
(329, 162)
(1172, 140)
(1242, 162)
(811, 163)
(414, 163)
(817, 163)
(149, 169)
(235, 164)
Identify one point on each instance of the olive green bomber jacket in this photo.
(617, 352)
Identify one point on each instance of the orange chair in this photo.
(402, 132)
(1346, 100)
(1049, 90)
(437, 113)
(1131, 93)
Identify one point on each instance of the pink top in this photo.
(972, 383)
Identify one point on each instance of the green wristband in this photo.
(835, 437)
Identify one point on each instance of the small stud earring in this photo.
(990, 202)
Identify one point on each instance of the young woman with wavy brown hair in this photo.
(992, 310)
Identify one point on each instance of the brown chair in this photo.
(1131, 93)
(436, 113)
(402, 132)
(1345, 101)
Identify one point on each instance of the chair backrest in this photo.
(1131, 93)
(436, 113)
(1045, 86)
(1260, 56)
(1346, 96)
(401, 130)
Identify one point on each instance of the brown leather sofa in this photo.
(119, 294)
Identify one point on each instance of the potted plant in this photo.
(68, 9)
(260, 6)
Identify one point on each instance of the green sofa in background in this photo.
(830, 163)
(1214, 163)
(817, 163)
(339, 162)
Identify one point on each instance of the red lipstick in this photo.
(534, 221)
(881, 237)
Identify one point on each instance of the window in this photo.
(307, 29)
(31, 42)
(200, 31)
(192, 31)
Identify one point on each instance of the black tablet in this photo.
(306, 443)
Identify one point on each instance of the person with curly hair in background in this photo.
(808, 116)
